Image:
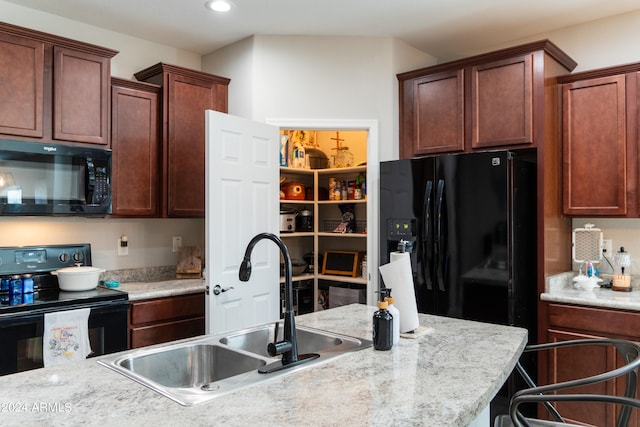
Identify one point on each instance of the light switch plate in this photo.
(177, 242)
(122, 250)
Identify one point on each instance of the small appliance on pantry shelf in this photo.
(293, 191)
(287, 220)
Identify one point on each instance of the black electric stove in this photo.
(39, 262)
(23, 315)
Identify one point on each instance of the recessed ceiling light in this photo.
(218, 5)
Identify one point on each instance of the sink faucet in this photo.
(289, 346)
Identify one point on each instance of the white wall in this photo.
(602, 43)
(236, 62)
(150, 239)
(597, 44)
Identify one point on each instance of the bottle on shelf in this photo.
(298, 157)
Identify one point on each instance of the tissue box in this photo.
(343, 296)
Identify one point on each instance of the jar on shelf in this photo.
(344, 158)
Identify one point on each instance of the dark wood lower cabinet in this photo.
(159, 320)
(570, 322)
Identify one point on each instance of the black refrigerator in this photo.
(469, 223)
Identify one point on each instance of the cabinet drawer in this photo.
(594, 320)
(161, 309)
(165, 332)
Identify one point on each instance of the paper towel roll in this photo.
(398, 276)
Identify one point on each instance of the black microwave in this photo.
(53, 179)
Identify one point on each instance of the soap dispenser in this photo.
(395, 313)
(382, 327)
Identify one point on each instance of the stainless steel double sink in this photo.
(200, 369)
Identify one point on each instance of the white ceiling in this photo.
(442, 28)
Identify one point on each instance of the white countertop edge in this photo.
(605, 298)
(160, 289)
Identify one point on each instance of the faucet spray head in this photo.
(245, 269)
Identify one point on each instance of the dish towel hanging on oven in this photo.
(66, 336)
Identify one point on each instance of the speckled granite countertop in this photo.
(444, 378)
(560, 288)
(162, 288)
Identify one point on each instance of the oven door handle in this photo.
(39, 311)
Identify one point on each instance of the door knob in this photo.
(217, 289)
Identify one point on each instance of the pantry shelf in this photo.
(328, 215)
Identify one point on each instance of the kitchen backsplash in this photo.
(146, 274)
(565, 281)
(150, 239)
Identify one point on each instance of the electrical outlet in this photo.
(123, 246)
(607, 247)
(177, 242)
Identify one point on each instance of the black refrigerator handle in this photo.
(438, 244)
(426, 235)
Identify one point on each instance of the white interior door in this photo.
(242, 199)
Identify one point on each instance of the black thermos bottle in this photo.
(382, 327)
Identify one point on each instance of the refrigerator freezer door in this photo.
(474, 223)
(406, 209)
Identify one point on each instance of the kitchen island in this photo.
(446, 377)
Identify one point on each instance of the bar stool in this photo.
(627, 351)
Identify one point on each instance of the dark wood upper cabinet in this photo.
(22, 88)
(600, 142)
(135, 141)
(438, 124)
(502, 103)
(186, 95)
(81, 96)
(487, 101)
(595, 146)
(53, 88)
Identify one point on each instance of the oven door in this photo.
(21, 335)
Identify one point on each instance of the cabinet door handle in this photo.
(440, 237)
(427, 237)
